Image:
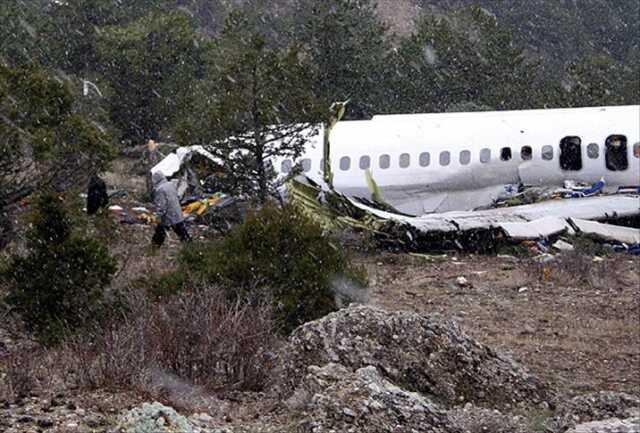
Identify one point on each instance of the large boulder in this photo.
(417, 352)
(333, 398)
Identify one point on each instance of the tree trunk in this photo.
(263, 191)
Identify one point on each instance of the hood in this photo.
(157, 178)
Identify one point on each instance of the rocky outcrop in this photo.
(614, 425)
(419, 353)
(154, 418)
(596, 406)
(471, 419)
(335, 399)
(158, 418)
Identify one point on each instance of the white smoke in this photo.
(347, 292)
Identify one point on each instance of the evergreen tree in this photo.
(256, 104)
(150, 65)
(71, 29)
(43, 140)
(58, 287)
(20, 40)
(601, 81)
(462, 58)
(347, 43)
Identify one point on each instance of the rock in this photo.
(432, 356)
(45, 423)
(154, 418)
(201, 418)
(472, 419)
(613, 425)
(333, 398)
(462, 282)
(596, 406)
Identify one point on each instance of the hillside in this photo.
(556, 31)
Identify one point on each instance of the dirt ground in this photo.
(579, 336)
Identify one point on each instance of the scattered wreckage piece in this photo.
(177, 168)
(197, 202)
(537, 229)
(174, 161)
(469, 230)
(607, 232)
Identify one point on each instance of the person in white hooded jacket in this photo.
(165, 198)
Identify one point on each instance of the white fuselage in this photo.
(459, 161)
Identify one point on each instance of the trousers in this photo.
(161, 233)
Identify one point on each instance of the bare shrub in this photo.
(25, 372)
(204, 338)
(198, 337)
(571, 268)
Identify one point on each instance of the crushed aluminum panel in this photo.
(588, 208)
(172, 163)
(608, 232)
(540, 228)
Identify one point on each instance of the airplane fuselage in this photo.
(459, 161)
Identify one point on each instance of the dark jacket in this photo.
(96, 195)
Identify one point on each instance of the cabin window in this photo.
(505, 153)
(306, 164)
(465, 157)
(485, 155)
(547, 153)
(365, 162)
(404, 160)
(285, 166)
(425, 159)
(593, 151)
(345, 163)
(636, 150)
(445, 158)
(526, 153)
(615, 153)
(570, 153)
(385, 161)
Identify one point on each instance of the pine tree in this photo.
(462, 58)
(44, 142)
(256, 104)
(150, 65)
(348, 44)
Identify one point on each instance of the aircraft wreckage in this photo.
(467, 180)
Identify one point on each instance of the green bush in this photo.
(276, 254)
(58, 286)
(166, 285)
